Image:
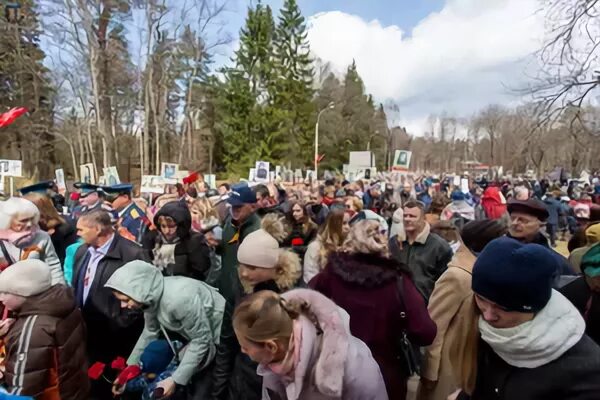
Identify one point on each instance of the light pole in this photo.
(330, 106)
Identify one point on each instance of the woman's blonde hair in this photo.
(357, 203)
(331, 235)
(365, 238)
(205, 207)
(48, 213)
(17, 206)
(265, 315)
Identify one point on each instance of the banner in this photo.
(401, 160)
(87, 173)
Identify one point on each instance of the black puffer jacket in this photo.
(574, 376)
(192, 254)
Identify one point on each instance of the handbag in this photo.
(409, 354)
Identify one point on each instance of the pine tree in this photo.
(294, 92)
(25, 82)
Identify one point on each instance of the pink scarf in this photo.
(289, 363)
(18, 238)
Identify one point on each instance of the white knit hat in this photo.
(259, 249)
(26, 278)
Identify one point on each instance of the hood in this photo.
(180, 214)
(58, 301)
(368, 270)
(492, 195)
(139, 280)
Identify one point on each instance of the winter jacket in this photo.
(427, 258)
(233, 235)
(112, 331)
(563, 265)
(366, 286)
(63, 236)
(39, 247)
(300, 237)
(318, 213)
(554, 208)
(332, 365)
(588, 304)
(185, 306)
(450, 307)
(493, 203)
(192, 254)
(573, 376)
(46, 348)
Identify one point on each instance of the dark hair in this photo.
(226, 186)
(447, 230)
(99, 217)
(477, 234)
(262, 190)
(438, 203)
(415, 204)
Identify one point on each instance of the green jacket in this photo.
(178, 304)
(229, 281)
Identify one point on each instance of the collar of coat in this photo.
(424, 234)
(368, 270)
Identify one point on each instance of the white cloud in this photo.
(458, 59)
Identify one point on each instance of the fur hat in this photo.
(516, 276)
(26, 278)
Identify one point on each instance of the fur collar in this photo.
(369, 270)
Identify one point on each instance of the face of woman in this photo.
(262, 353)
(127, 302)
(168, 228)
(197, 215)
(346, 224)
(297, 213)
(21, 223)
(256, 275)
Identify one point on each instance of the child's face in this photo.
(12, 301)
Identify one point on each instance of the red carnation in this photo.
(191, 178)
(128, 374)
(96, 370)
(297, 242)
(119, 363)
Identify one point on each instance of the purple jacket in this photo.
(333, 365)
(365, 285)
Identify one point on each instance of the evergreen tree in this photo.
(294, 84)
(24, 82)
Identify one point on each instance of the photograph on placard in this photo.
(252, 175)
(87, 173)
(60, 179)
(262, 171)
(111, 176)
(169, 170)
(152, 184)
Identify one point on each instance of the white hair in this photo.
(17, 206)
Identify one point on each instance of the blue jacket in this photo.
(554, 207)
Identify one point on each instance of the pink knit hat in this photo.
(259, 249)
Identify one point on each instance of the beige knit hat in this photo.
(26, 278)
(259, 249)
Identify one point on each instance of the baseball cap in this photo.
(240, 195)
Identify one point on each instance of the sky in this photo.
(426, 56)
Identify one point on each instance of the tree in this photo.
(294, 81)
(25, 82)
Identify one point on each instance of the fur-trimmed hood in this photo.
(368, 270)
(333, 364)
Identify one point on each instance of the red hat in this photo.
(191, 178)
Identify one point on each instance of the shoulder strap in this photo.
(6, 254)
(400, 293)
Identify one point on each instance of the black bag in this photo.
(409, 354)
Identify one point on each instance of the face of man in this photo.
(241, 213)
(89, 233)
(121, 202)
(89, 200)
(524, 226)
(407, 188)
(262, 201)
(414, 220)
(222, 190)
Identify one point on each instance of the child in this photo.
(45, 346)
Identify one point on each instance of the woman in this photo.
(493, 205)
(173, 247)
(304, 348)
(364, 281)
(303, 229)
(532, 343)
(450, 307)
(354, 205)
(22, 239)
(173, 306)
(204, 215)
(329, 239)
(262, 266)
(61, 230)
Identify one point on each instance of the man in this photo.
(265, 202)
(132, 220)
(224, 188)
(553, 206)
(527, 219)
(372, 197)
(91, 199)
(315, 208)
(406, 194)
(425, 253)
(242, 220)
(112, 332)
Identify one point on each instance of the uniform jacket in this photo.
(192, 254)
(450, 307)
(573, 376)
(185, 306)
(46, 348)
(333, 365)
(232, 237)
(366, 286)
(112, 331)
(427, 258)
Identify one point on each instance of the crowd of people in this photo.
(314, 290)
